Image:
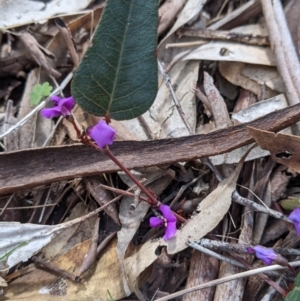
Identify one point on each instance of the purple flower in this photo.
(103, 134)
(63, 107)
(295, 218)
(267, 255)
(168, 220)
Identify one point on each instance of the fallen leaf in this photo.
(31, 43)
(167, 13)
(103, 276)
(234, 73)
(17, 13)
(233, 52)
(212, 210)
(284, 148)
(191, 9)
(260, 109)
(162, 118)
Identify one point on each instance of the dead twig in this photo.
(229, 278)
(281, 41)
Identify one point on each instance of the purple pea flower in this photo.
(102, 133)
(267, 255)
(63, 107)
(169, 221)
(295, 218)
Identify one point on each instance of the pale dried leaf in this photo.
(17, 13)
(70, 236)
(13, 234)
(234, 73)
(191, 9)
(212, 210)
(265, 75)
(104, 276)
(233, 52)
(260, 109)
(36, 130)
(217, 104)
(162, 118)
(167, 13)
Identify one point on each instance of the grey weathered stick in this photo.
(176, 102)
(237, 198)
(229, 278)
(225, 35)
(281, 49)
(200, 248)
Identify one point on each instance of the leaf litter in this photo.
(214, 67)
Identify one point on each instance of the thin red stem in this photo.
(151, 199)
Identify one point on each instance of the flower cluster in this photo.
(267, 255)
(168, 220)
(295, 218)
(102, 133)
(63, 107)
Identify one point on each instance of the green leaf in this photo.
(118, 74)
(46, 89)
(294, 295)
(40, 91)
(35, 98)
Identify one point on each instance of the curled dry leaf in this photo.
(190, 10)
(167, 13)
(212, 210)
(31, 43)
(284, 148)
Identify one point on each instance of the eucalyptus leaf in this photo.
(118, 74)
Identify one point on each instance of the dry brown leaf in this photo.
(105, 276)
(31, 43)
(102, 196)
(190, 10)
(162, 118)
(284, 148)
(167, 13)
(234, 73)
(212, 210)
(72, 235)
